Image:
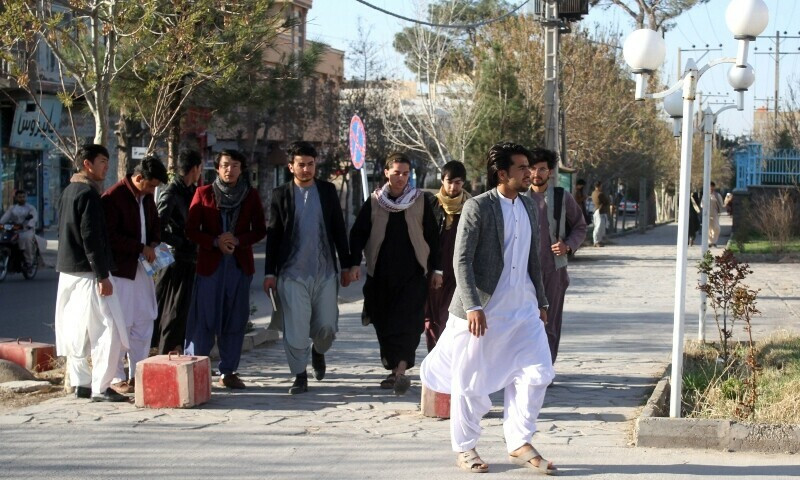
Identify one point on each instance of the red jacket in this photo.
(204, 225)
(124, 230)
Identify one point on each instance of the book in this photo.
(163, 259)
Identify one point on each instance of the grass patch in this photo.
(714, 389)
(763, 246)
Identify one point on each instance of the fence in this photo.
(755, 168)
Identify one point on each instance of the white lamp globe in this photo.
(673, 104)
(747, 18)
(644, 50)
(741, 78)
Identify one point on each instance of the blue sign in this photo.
(358, 142)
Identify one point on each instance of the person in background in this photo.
(24, 214)
(600, 216)
(175, 282)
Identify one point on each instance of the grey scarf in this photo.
(229, 199)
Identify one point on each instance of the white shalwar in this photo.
(512, 355)
(88, 324)
(137, 298)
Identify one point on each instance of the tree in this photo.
(653, 14)
(83, 36)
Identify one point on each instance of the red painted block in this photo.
(435, 404)
(34, 356)
(173, 381)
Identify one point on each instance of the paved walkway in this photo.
(616, 340)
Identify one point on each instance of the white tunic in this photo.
(515, 346)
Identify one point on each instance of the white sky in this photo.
(334, 22)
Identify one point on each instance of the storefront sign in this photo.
(31, 129)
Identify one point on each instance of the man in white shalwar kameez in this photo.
(88, 319)
(495, 337)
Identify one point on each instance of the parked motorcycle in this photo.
(12, 259)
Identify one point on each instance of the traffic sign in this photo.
(358, 142)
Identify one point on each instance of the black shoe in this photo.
(318, 364)
(109, 396)
(300, 384)
(83, 392)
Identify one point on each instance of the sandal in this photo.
(524, 459)
(388, 383)
(401, 384)
(470, 460)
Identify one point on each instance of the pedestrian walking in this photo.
(88, 317)
(306, 231)
(225, 220)
(714, 212)
(580, 197)
(494, 339)
(396, 230)
(175, 282)
(134, 231)
(600, 216)
(446, 205)
(562, 230)
(694, 216)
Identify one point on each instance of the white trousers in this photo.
(521, 405)
(25, 242)
(600, 221)
(137, 298)
(86, 324)
(713, 230)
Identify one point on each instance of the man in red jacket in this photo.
(225, 220)
(134, 230)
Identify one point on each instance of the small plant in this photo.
(774, 217)
(732, 300)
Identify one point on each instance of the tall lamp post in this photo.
(644, 51)
(740, 79)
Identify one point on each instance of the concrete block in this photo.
(173, 381)
(10, 372)
(31, 355)
(24, 386)
(435, 404)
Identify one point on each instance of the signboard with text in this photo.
(33, 126)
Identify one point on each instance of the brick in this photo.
(34, 356)
(435, 404)
(173, 381)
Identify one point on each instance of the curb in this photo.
(655, 429)
(254, 338)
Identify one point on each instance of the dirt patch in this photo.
(13, 401)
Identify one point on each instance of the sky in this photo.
(335, 22)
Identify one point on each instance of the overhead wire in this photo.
(462, 26)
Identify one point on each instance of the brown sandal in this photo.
(524, 459)
(388, 382)
(470, 460)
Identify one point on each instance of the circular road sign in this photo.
(358, 142)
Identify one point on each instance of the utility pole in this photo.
(777, 56)
(552, 34)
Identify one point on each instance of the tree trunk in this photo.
(123, 135)
(173, 143)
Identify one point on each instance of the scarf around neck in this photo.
(401, 203)
(81, 177)
(451, 206)
(229, 199)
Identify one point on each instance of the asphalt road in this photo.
(27, 306)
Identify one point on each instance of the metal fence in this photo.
(754, 167)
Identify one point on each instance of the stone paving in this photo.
(616, 342)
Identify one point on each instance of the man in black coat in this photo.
(88, 317)
(174, 284)
(305, 233)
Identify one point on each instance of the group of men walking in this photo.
(484, 278)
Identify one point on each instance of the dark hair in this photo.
(499, 158)
(580, 182)
(151, 168)
(396, 157)
(89, 151)
(454, 169)
(187, 160)
(300, 148)
(18, 191)
(544, 155)
(235, 155)
(713, 184)
(598, 184)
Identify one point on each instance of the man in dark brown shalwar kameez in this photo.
(561, 220)
(447, 208)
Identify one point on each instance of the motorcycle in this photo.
(12, 259)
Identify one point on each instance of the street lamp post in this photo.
(644, 51)
(740, 79)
